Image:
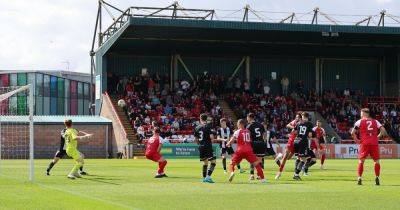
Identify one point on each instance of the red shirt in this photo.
(293, 134)
(243, 139)
(369, 130)
(319, 132)
(152, 145)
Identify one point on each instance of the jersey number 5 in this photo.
(257, 131)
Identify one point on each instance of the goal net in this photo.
(16, 132)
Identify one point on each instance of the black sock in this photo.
(211, 169)
(224, 163)
(50, 166)
(81, 168)
(296, 163)
(262, 163)
(205, 171)
(308, 165)
(278, 162)
(251, 169)
(299, 167)
(238, 166)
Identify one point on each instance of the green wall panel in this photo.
(352, 74)
(294, 69)
(133, 65)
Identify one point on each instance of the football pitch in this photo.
(129, 184)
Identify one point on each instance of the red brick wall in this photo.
(47, 140)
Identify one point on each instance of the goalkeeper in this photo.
(71, 139)
(60, 154)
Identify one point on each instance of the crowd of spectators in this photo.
(341, 111)
(148, 98)
(176, 106)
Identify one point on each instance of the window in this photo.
(5, 80)
(61, 96)
(86, 97)
(46, 94)
(80, 98)
(39, 94)
(74, 97)
(53, 95)
(22, 96)
(67, 97)
(13, 103)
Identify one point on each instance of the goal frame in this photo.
(31, 131)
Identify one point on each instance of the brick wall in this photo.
(47, 140)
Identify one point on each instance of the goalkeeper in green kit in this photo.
(71, 139)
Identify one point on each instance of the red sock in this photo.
(360, 169)
(377, 169)
(161, 166)
(323, 157)
(260, 171)
(232, 167)
(281, 167)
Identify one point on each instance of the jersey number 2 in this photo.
(369, 126)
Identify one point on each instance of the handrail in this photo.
(119, 120)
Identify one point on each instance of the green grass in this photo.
(129, 184)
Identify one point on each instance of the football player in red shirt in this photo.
(370, 130)
(153, 148)
(244, 151)
(318, 146)
(289, 152)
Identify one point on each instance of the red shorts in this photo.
(314, 146)
(244, 154)
(153, 156)
(290, 146)
(365, 150)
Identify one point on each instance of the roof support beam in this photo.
(315, 17)
(237, 68)
(382, 18)
(185, 67)
(290, 18)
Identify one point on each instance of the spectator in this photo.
(285, 85)
(267, 89)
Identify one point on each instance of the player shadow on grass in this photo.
(100, 179)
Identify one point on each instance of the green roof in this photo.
(264, 26)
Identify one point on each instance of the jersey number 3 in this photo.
(201, 135)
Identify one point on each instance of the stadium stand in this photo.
(147, 98)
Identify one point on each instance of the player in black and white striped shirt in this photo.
(224, 134)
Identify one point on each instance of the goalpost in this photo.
(16, 131)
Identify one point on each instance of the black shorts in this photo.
(206, 153)
(226, 150)
(301, 148)
(311, 154)
(259, 148)
(321, 140)
(60, 153)
(270, 152)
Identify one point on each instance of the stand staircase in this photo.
(138, 149)
(228, 112)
